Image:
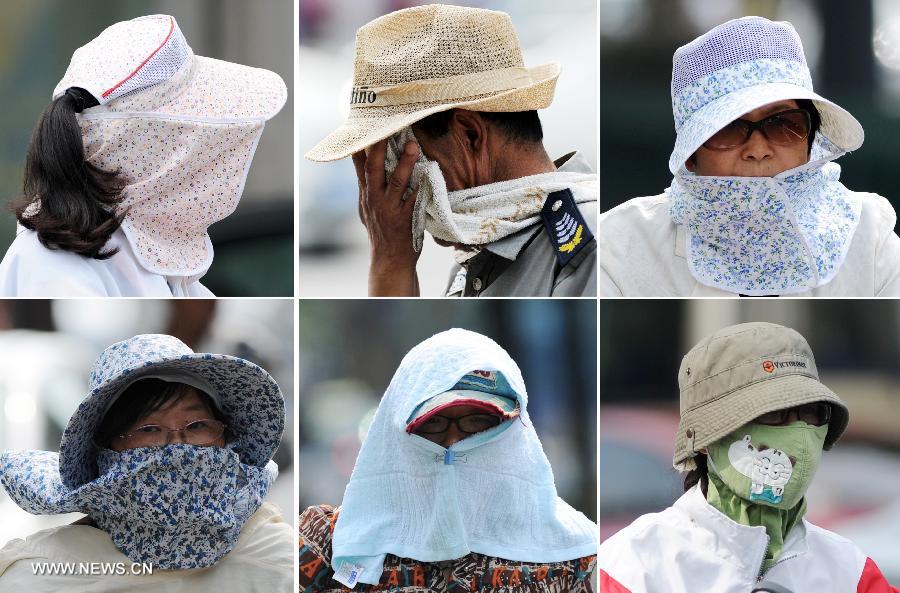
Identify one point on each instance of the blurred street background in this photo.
(49, 346)
(853, 50)
(334, 248)
(254, 246)
(350, 349)
(856, 343)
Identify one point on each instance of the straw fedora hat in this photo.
(419, 61)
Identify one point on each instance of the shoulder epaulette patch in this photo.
(566, 228)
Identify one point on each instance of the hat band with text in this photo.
(450, 88)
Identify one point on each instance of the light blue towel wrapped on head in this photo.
(491, 493)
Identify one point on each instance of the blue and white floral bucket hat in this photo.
(245, 393)
(740, 66)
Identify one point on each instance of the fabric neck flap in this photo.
(766, 235)
(177, 507)
(181, 176)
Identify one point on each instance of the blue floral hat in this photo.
(740, 66)
(246, 394)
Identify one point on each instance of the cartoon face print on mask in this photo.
(769, 465)
(768, 469)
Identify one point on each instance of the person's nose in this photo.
(175, 437)
(452, 436)
(757, 147)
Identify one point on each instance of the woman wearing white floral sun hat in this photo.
(756, 206)
(142, 148)
(754, 422)
(170, 457)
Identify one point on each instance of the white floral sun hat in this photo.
(136, 55)
(245, 393)
(740, 66)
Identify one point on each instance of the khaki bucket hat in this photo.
(423, 60)
(741, 372)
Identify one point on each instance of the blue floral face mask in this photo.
(177, 507)
(766, 235)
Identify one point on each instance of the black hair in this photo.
(699, 475)
(815, 119)
(141, 399)
(69, 202)
(520, 126)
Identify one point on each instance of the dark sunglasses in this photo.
(785, 128)
(816, 414)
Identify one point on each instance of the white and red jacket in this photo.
(693, 548)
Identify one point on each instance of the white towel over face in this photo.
(492, 493)
(479, 215)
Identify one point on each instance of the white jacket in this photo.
(262, 561)
(693, 548)
(642, 253)
(31, 270)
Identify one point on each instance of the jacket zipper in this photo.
(777, 562)
(762, 560)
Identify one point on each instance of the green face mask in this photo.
(769, 465)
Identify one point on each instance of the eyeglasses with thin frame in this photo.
(469, 424)
(785, 128)
(814, 414)
(196, 432)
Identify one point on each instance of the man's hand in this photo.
(388, 220)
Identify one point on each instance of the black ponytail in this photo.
(69, 202)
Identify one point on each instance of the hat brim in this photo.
(504, 406)
(714, 420)
(367, 125)
(249, 397)
(223, 90)
(215, 90)
(841, 128)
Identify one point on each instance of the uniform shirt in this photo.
(31, 270)
(524, 263)
(643, 253)
(473, 572)
(261, 562)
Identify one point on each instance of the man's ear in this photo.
(471, 137)
(470, 130)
